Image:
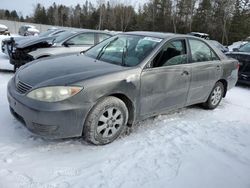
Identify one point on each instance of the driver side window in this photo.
(83, 39)
(172, 53)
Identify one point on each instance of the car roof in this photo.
(77, 31)
(158, 34)
(151, 34)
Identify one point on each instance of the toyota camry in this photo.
(120, 81)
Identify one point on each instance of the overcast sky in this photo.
(26, 7)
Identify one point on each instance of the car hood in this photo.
(63, 70)
(16, 39)
(24, 43)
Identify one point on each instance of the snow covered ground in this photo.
(189, 148)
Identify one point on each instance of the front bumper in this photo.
(19, 58)
(49, 120)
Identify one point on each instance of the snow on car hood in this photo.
(3, 27)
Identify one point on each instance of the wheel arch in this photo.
(225, 84)
(129, 104)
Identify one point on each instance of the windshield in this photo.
(64, 36)
(125, 50)
(46, 33)
(245, 48)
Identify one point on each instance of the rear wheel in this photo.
(106, 121)
(215, 96)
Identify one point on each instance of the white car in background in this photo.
(4, 30)
(69, 42)
(236, 45)
(26, 30)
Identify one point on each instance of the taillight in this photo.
(238, 66)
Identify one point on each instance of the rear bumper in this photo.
(49, 120)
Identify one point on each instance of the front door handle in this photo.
(185, 73)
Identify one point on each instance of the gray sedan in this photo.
(118, 82)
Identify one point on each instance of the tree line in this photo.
(224, 20)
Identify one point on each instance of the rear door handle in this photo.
(185, 73)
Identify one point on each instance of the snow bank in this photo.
(190, 148)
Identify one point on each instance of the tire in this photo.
(215, 96)
(106, 121)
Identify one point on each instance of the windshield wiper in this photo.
(104, 48)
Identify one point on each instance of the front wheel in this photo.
(106, 121)
(215, 96)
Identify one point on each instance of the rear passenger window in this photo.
(201, 51)
(172, 53)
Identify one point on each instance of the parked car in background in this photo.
(73, 41)
(236, 45)
(122, 80)
(27, 30)
(6, 43)
(243, 56)
(200, 35)
(222, 48)
(4, 30)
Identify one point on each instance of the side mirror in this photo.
(68, 43)
(235, 49)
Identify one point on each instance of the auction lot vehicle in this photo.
(69, 42)
(27, 30)
(200, 35)
(118, 82)
(6, 43)
(4, 30)
(242, 54)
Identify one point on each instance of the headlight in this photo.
(54, 94)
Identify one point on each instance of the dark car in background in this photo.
(242, 54)
(69, 42)
(120, 81)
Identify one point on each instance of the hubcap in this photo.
(109, 122)
(216, 95)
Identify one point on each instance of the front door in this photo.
(165, 83)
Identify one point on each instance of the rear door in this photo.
(206, 70)
(165, 83)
